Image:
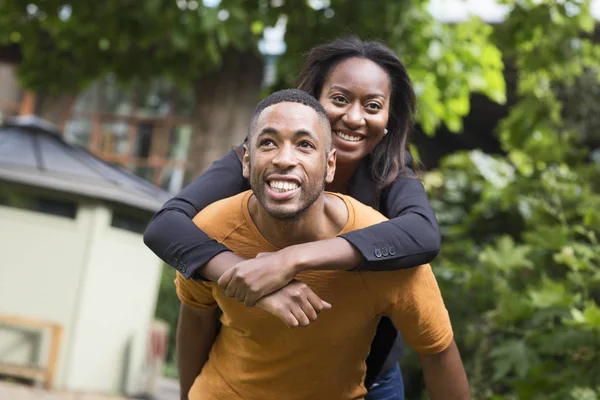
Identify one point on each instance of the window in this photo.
(128, 223)
(38, 203)
(145, 128)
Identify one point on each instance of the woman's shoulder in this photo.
(360, 215)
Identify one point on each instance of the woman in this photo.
(368, 96)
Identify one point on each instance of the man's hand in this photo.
(250, 280)
(295, 304)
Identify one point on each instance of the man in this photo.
(288, 159)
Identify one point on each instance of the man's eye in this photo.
(306, 145)
(266, 143)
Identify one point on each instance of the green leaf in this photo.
(589, 317)
(506, 256)
(512, 356)
(551, 294)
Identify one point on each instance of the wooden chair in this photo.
(44, 373)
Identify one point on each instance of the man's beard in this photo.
(307, 197)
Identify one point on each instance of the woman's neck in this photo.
(343, 175)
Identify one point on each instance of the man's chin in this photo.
(283, 213)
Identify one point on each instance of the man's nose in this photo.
(285, 157)
(354, 116)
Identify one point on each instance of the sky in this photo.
(443, 10)
(488, 10)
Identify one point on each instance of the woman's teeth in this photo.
(349, 138)
(280, 186)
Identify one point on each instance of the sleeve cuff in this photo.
(206, 253)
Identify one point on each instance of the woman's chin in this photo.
(346, 157)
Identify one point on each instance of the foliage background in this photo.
(519, 266)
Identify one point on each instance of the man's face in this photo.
(286, 159)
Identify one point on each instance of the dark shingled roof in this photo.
(32, 152)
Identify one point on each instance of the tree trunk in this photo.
(55, 108)
(9, 87)
(225, 102)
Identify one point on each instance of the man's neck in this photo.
(324, 219)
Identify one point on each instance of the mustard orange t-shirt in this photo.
(255, 356)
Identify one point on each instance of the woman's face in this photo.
(356, 96)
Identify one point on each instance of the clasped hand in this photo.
(266, 281)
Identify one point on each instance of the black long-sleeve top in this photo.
(411, 237)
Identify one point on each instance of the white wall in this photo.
(100, 283)
(117, 305)
(40, 267)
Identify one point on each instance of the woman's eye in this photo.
(339, 99)
(306, 145)
(374, 106)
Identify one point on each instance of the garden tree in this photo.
(520, 255)
(63, 46)
(520, 261)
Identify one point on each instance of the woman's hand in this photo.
(295, 304)
(249, 280)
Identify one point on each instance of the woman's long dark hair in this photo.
(389, 157)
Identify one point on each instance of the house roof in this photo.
(33, 152)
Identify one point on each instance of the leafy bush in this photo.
(520, 259)
(519, 270)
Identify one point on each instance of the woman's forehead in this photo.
(358, 74)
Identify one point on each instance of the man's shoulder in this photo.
(220, 218)
(360, 214)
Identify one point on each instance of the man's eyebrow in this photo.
(300, 132)
(304, 132)
(267, 130)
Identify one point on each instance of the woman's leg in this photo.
(389, 387)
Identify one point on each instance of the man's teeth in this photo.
(350, 138)
(281, 186)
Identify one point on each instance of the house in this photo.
(73, 260)
(146, 130)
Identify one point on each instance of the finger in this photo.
(232, 290)
(300, 316)
(251, 298)
(225, 278)
(326, 305)
(240, 294)
(315, 301)
(308, 309)
(232, 287)
(290, 320)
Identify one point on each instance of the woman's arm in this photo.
(411, 237)
(172, 235)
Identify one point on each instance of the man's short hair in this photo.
(292, 96)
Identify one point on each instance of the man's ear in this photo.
(246, 162)
(331, 158)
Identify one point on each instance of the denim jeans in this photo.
(388, 387)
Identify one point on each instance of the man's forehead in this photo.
(289, 115)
